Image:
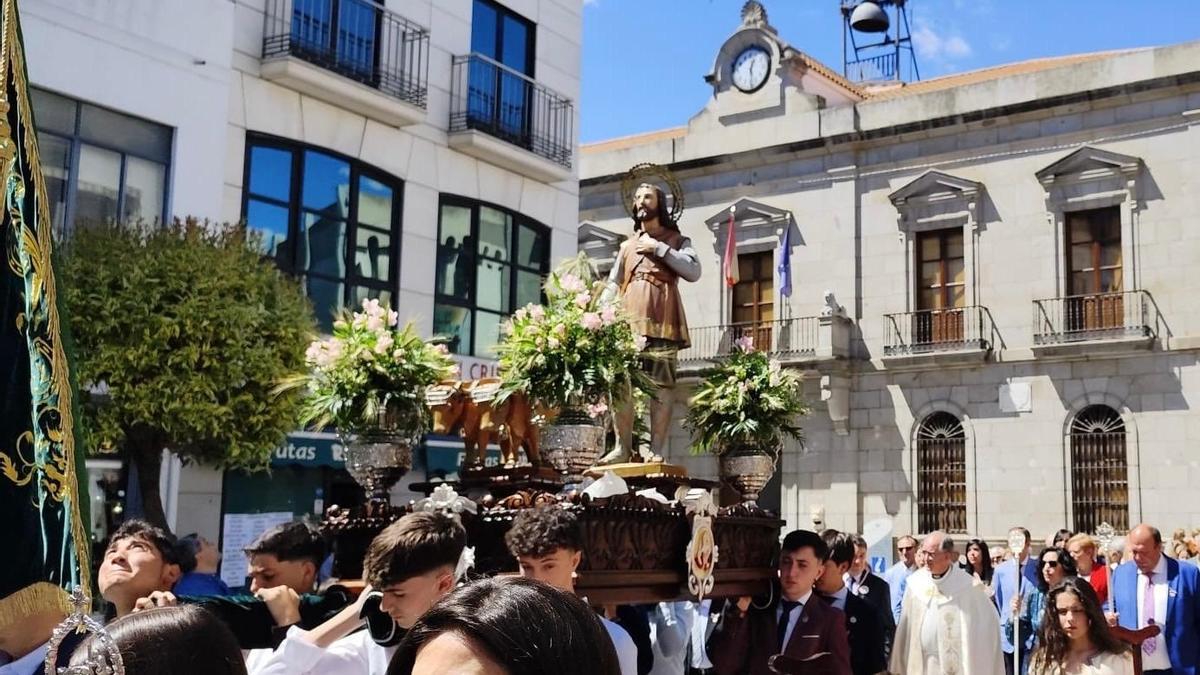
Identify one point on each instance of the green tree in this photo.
(181, 333)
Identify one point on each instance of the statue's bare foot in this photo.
(615, 456)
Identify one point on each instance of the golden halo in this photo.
(639, 174)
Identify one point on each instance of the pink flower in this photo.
(560, 329)
(552, 342)
(393, 318)
(595, 410)
(520, 314)
(608, 315)
(537, 312)
(639, 342)
(591, 321)
(571, 283)
(441, 349)
(745, 343)
(582, 300)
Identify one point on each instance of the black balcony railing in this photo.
(874, 69)
(358, 39)
(1104, 316)
(795, 338)
(937, 330)
(490, 97)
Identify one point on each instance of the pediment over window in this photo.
(937, 200)
(1089, 162)
(600, 245)
(935, 186)
(758, 225)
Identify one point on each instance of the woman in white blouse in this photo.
(1074, 638)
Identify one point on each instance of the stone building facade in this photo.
(1012, 335)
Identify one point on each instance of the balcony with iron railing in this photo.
(506, 117)
(952, 334)
(789, 340)
(352, 53)
(1101, 321)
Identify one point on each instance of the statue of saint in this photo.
(647, 273)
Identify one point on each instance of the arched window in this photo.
(1099, 470)
(941, 474)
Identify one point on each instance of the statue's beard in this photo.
(643, 215)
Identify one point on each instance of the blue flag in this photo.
(785, 263)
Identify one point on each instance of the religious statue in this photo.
(647, 272)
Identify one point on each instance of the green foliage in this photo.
(367, 367)
(747, 400)
(577, 349)
(188, 329)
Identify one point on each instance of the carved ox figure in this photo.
(470, 408)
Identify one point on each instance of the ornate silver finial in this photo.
(103, 658)
(1105, 535)
(754, 14)
(446, 500)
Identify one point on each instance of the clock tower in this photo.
(757, 74)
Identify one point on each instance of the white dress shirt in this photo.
(701, 623)
(626, 649)
(28, 664)
(792, 616)
(1159, 660)
(670, 630)
(355, 654)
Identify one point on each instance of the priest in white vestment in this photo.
(948, 624)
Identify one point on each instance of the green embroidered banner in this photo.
(40, 493)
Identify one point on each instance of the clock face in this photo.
(750, 69)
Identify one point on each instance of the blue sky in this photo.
(644, 60)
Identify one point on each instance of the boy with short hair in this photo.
(289, 555)
(141, 564)
(548, 545)
(410, 565)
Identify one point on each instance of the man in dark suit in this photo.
(1152, 588)
(862, 620)
(872, 588)
(797, 624)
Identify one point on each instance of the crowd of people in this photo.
(943, 608)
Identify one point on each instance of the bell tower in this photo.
(877, 46)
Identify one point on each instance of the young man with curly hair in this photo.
(548, 544)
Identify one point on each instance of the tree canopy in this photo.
(181, 333)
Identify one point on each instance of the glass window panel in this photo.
(374, 203)
(360, 293)
(455, 252)
(743, 293)
(271, 173)
(956, 271)
(128, 134)
(1082, 283)
(958, 296)
(325, 246)
(145, 189)
(532, 248)
(312, 24)
(1081, 230)
(928, 298)
(515, 42)
(53, 112)
(954, 245)
(495, 234)
(743, 314)
(767, 313)
(1108, 224)
(1110, 255)
(492, 284)
(271, 223)
(930, 248)
(1110, 281)
(326, 184)
(1081, 257)
(766, 292)
(487, 333)
(326, 296)
(372, 254)
(745, 267)
(99, 184)
(529, 288)
(453, 323)
(56, 167)
(931, 274)
(356, 37)
(483, 29)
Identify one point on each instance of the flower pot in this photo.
(572, 443)
(747, 470)
(377, 457)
